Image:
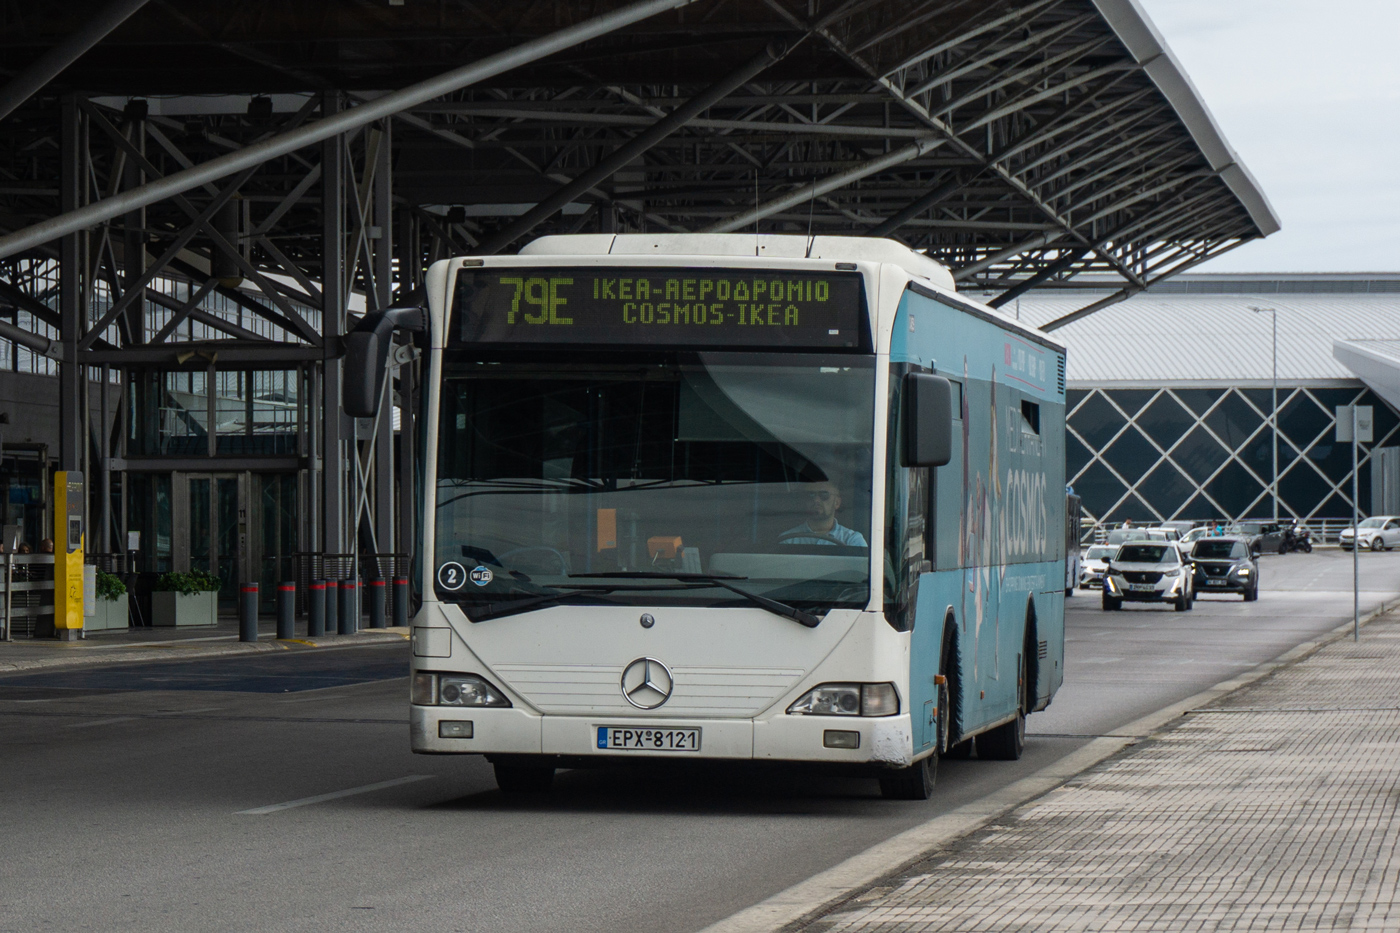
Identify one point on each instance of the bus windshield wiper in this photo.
(497, 610)
(516, 606)
(721, 580)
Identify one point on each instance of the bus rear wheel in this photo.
(522, 776)
(1006, 742)
(912, 783)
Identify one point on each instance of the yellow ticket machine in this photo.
(68, 555)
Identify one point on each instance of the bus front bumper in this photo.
(886, 740)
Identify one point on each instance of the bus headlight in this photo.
(848, 700)
(468, 690)
(454, 690)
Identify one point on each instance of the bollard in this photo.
(348, 618)
(286, 610)
(316, 609)
(248, 612)
(376, 604)
(332, 607)
(400, 597)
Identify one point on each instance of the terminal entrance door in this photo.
(240, 527)
(213, 537)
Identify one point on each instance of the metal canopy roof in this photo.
(1020, 142)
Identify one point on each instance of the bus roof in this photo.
(763, 245)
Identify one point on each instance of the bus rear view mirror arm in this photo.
(367, 354)
(928, 420)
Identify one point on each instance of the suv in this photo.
(1379, 533)
(1149, 572)
(1225, 565)
(1261, 536)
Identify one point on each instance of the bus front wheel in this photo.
(912, 783)
(522, 776)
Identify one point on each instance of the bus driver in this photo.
(821, 526)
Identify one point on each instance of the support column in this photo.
(410, 277)
(383, 222)
(332, 310)
(70, 443)
(134, 257)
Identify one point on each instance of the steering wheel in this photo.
(563, 565)
(794, 535)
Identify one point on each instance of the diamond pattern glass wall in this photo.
(1207, 453)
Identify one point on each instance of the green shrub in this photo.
(188, 584)
(110, 586)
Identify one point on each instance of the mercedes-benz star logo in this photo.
(647, 683)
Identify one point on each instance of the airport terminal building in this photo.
(1170, 395)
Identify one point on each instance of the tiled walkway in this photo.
(1274, 809)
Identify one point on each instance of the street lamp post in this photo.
(1273, 312)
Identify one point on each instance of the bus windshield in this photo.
(558, 469)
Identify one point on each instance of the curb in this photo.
(171, 651)
(809, 900)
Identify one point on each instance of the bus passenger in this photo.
(821, 526)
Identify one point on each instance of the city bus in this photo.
(763, 498)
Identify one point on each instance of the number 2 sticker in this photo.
(452, 576)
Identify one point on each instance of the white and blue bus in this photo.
(730, 497)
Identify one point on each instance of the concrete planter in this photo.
(177, 609)
(107, 615)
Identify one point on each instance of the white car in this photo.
(1379, 533)
(1148, 572)
(1091, 566)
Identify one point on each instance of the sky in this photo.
(1308, 94)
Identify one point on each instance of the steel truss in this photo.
(1021, 143)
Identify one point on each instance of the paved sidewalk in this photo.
(1274, 808)
(154, 644)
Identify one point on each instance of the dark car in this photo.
(1225, 565)
(1260, 536)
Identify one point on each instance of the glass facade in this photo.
(1207, 453)
(255, 412)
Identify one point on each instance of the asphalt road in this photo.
(123, 809)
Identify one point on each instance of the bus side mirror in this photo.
(367, 355)
(928, 420)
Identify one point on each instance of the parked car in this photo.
(1181, 527)
(1225, 565)
(1260, 536)
(1091, 566)
(1119, 535)
(1148, 571)
(1379, 533)
(1194, 535)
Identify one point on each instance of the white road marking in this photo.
(103, 722)
(334, 795)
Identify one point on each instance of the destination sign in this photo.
(663, 306)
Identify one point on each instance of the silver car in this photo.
(1148, 572)
(1379, 533)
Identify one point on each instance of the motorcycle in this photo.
(1296, 539)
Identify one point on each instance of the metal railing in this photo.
(1323, 530)
(27, 596)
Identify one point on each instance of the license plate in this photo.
(632, 739)
(1142, 587)
(1215, 583)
